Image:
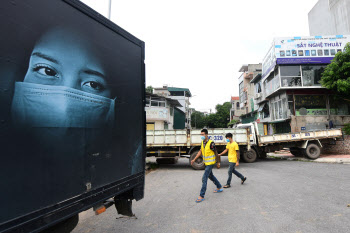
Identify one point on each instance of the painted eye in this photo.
(94, 85)
(46, 71)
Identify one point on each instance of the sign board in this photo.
(310, 49)
(303, 50)
(156, 113)
(303, 128)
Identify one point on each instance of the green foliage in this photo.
(149, 89)
(233, 122)
(347, 129)
(220, 119)
(336, 76)
(198, 120)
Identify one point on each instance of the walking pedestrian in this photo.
(208, 150)
(233, 158)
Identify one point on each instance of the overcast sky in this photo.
(201, 44)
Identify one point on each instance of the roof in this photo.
(234, 97)
(176, 103)
(256, 78)
(243, 68)
(180, 89)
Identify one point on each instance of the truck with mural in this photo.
(68, 137)
(169, 145)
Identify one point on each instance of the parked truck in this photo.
(69, 138)
(169, 145)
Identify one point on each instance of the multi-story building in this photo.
(246, 91)
(235, 111)
(183, 113)
(290, 81)
(330, 17)
(160, 112)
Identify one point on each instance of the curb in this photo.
(319, 160)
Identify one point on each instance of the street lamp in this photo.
(109, 9)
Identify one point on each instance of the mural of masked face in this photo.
(65, 85)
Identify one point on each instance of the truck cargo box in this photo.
(72, 120)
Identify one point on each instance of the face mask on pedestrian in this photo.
(203, 138)
(227, 140)
(37, 105)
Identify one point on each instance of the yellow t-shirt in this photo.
(232, 154)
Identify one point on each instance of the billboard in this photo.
(303, 50)
(311, 49)
(71, 104)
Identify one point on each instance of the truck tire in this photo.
(297, 152)
(167, 160)
(312, 151)
(199, 163)
(65, 226)
(249, 156)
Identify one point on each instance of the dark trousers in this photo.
(208, 173)
(231, 169)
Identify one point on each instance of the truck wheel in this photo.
(249, 156)
(297, 152)
(167, 160)
(312, 151)
(199, 163)
(65, 226)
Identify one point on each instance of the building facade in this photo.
(294, 98)
(330, 17)
(235, 111)
(160, 112)
(182, 95)
(246, 91)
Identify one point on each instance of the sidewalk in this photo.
(324, 158)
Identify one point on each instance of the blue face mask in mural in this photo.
(37, 105)
(203, 138)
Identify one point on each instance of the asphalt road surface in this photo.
(278, 196)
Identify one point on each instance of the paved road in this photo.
(279, 196)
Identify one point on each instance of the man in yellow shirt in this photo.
(233, 158)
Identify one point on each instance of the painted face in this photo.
(64, 58)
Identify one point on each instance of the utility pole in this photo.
(109, 9)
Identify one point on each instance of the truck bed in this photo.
(189, 138)
(301, 136)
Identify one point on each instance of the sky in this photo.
(201, 44)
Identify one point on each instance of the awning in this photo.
(261, 107)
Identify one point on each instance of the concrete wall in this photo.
(330, 17)
(317, 122)
(320, 19)
(340, 12)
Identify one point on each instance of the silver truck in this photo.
(169, 145)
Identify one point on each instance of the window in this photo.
(290, 76)
(241, 87)
(312, 75)
(258, 87)
(310, 105)
(279, 109)
(237, 105)
(166, 126)
(171, 111)
(338, 107)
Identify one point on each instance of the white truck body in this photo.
(164, 138)
(168, 144)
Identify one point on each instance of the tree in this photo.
(221, 117)
(336, 76)
(232, 123)
(198, 120)
(149, 89)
